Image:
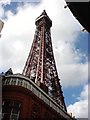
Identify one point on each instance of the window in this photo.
(15, 110)
(10, 110)
(5, 109)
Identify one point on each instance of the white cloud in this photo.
(80, 109)
(1, 11)
(71, 70)
(89, 100)
(5, 2)
(88, 70)
(18, 34)
(2, 4)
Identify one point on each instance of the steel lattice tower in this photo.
(40, 66)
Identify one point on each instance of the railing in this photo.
(19, 80)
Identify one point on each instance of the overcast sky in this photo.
(70, 46)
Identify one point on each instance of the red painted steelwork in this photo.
(40, 66)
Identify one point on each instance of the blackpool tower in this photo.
(40, 66)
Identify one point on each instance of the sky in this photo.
(70, 46)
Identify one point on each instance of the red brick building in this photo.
(22, 98)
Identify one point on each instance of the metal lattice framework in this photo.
(40, 66)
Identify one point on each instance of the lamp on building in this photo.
(66, 5)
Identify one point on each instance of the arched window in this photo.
(15, 110)
(10, 110)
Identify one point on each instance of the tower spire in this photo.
(40, 66)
